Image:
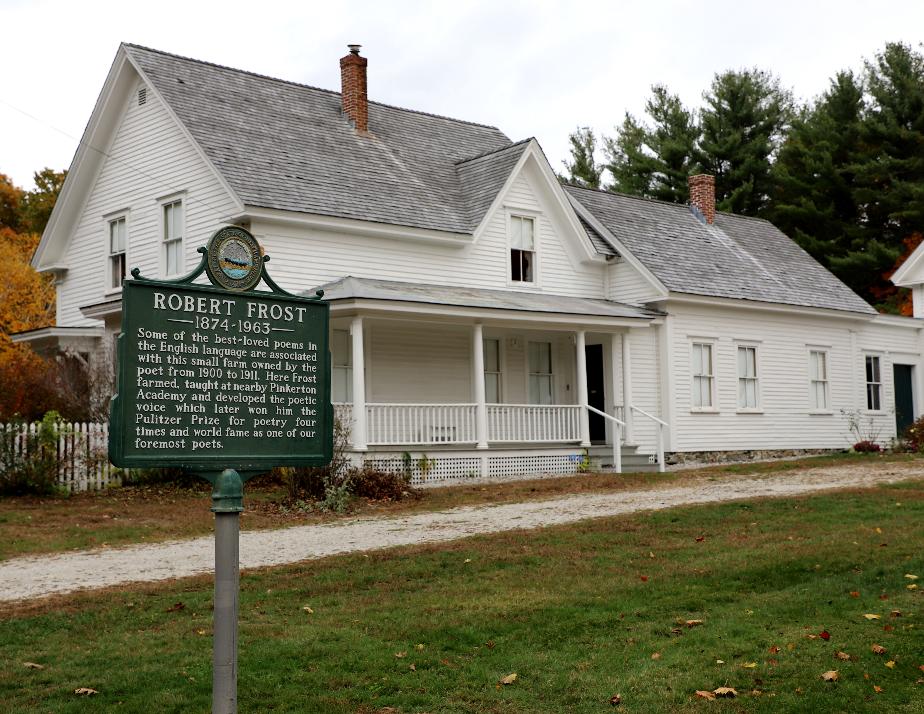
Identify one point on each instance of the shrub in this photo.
(376, 485)
(913, 438)
(29, 460)
(325, 486)
(867, 447)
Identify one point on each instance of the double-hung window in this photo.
(118, 241)
(818, 380)
(492, 371)
(703, 376)
(873, 384)
(342, 367)
(747, 377)
(540, 372)
(173, 237)
(522, 249)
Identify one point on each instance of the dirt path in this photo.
(35, 576)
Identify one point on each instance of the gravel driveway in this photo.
(35, 576)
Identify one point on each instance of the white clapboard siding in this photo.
(154, 160)
(783, 341)
(306, 258)
(626, 284)
(646, 386)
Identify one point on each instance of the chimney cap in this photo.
(354, 49)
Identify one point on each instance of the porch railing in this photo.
(534, 423)
(420, 424)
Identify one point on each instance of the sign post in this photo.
(227, 382)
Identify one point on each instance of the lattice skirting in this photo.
(434, 470)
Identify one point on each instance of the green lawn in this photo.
(576, 612)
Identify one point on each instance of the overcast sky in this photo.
(531, 68)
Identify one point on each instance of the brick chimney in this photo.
(353, 88)
(702, 195)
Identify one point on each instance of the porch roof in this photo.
(350, 288)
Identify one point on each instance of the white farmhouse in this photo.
(485, 317)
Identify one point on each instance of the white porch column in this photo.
(581, 361)
(481, 409)
(626, 383)
(359, 386)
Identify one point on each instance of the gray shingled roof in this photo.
(482, 178)
(373, 289)
(737, 257)
(287, 146)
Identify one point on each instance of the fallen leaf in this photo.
(643, 578)
(467, 560)
(866, 675)
(830, 676)
(700, 539)
(725, 692)
(876, 689)
(705, 695)
(890, 664)
(176, 607)
(651, 554)
(445, 662)
(774, 649)
(692, 623)
(887, 628)
(85, 691)
(825, 635)
(400, 655)
(842, 655)
(910, 576)
(412, 667)
(750, 665)
(854, 593)
(615, 700)
(308, 609)
(878, 649)
(871, 616)
(879, 531)
(895, 613)
(200, 632)
(656, 655)
(509, 679)
(772, 662)
(418, 646)
(489, 644)
(913, 586)
(720, 661)
(921, 667)
(676, 631)
(33, 665)
(883, 597)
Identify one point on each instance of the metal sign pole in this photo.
(227, 504)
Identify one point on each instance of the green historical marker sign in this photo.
(225, 381)
(210, 378)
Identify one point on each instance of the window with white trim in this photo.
(818, 380)
(540, 372)
(118, 242)
(702, 369)
(341, 355)
(747, 377)
(873, 383)
(522, 249)
(173, 238)
(492, 371)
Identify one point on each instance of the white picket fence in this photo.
(81, 453)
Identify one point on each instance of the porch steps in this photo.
(601, 459)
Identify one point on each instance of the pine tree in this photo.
(743, 123)
(628, 160)
(583, 169)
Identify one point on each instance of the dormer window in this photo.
(522, 249)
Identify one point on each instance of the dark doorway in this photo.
(596, 397)
(904, 396)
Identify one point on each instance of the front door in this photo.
(596, 397)
(903, 375)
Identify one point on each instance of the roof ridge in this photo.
(567, 184)
(303, 85)
(494, 151)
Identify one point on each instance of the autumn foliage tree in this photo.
(27, 302)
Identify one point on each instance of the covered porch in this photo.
(503, 376)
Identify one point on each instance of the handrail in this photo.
(661, 424)
(604, 414)
(650, 416)
(617, 437)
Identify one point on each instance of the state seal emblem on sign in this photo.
(235, 261)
